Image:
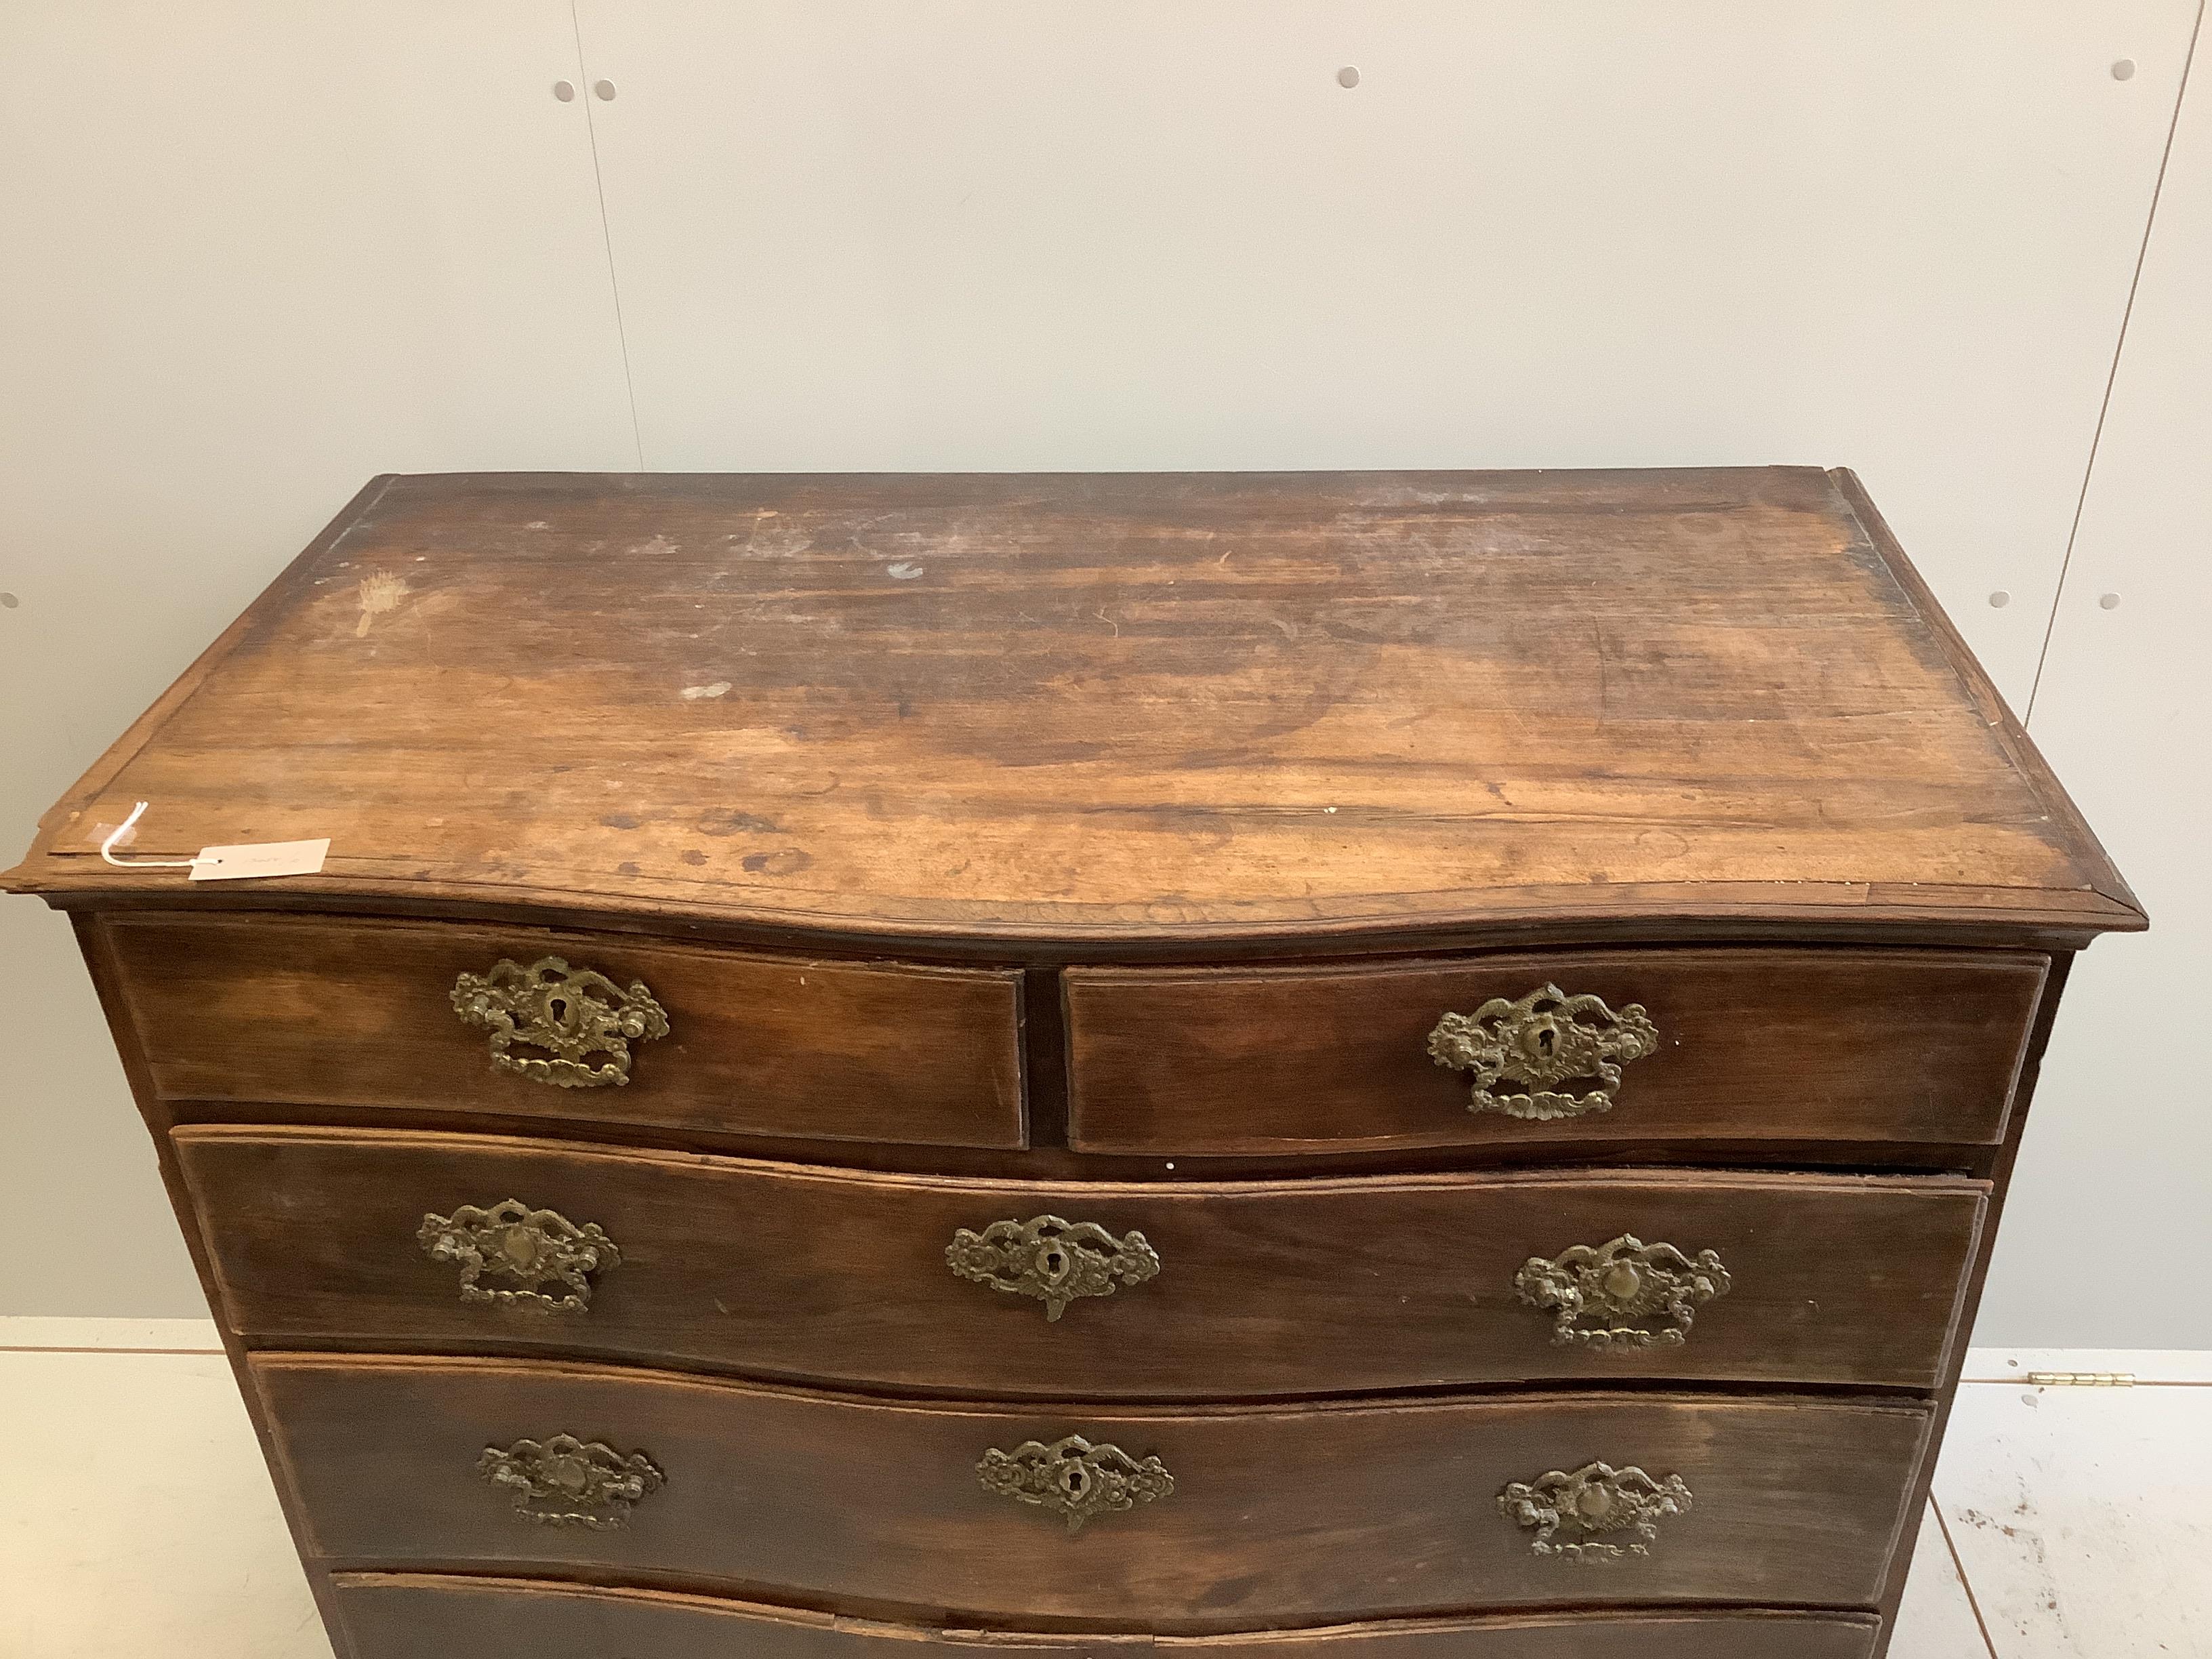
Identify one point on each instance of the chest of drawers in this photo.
(1293, 1066)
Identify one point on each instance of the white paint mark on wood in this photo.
(693, 693)
(378, 593)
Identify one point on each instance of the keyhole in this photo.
(1053, 1263)
(1074, 1479)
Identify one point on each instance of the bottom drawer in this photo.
(1248, 1515)
(397, 1616)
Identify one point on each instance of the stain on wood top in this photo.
(1118, 708)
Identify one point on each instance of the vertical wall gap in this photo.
(2112, 375)
(606, 230)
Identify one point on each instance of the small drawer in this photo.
(1219, 1519)
(1114, 1290)
(512, 1022)
(405, 1615)
(1670, 1046)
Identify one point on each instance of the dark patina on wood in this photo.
(1419, 1064)
(1100, 710)
(1370, 1509)
(1284, 1287)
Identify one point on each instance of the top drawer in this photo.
(412, 1016)
(1652, 1045)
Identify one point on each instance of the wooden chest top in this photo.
(1113, 712)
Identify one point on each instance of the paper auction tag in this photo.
(265, 858)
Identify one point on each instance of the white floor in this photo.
(136, 1517)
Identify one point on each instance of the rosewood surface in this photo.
(1304, 1515)
(1104, 848)
(1262, 1288)
(492, 1619)
(316, 1011)
(1114, 707)
(1773, 1044)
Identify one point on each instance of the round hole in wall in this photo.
(565, 91)
(9, 601)
(1347, 76)
(2109, 601)
(2000, 599)
(2124, 69)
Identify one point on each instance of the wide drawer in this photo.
(1235, 1516)
(1660, 1045)
(410, 1016)
(1206, 1290)
(403, 1616)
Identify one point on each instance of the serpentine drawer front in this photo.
(1647, 1045)
(417, 1019)
(1204, 1519)
(398, 1613)
(1358, 1065)
(1176, 1291)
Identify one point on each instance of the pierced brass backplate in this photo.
(1073, 1478)
(1545, 1040)
(507, 1252)
(1053, 1261)
(1575, 1515)
(565, 1015)
(1614, 1295)
(568, 1482)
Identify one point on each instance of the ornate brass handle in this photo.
(1052, 1259)
(1545, 1039)
(568, 1482)
(1624, 1286)
(506, 1253)
(566, 1015)
(1574, 1514)
(1073, 1478)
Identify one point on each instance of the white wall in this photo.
(2114, 1173)
(257, 251)
(251, 253)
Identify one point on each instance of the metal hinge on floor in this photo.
(2082, 1379)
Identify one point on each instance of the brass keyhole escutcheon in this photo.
(569, 1027)
(1597, 1514)
(1548, 1055)
(1624, 1293)
(513, 1255)
(1075, 1479)
(1053, 1261)
(568, 1482)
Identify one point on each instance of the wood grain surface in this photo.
(1754, 1044)
(318, 1010)
(404, 1615)
(1099, 709)
(1308, 1287)
(1278, 1516)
